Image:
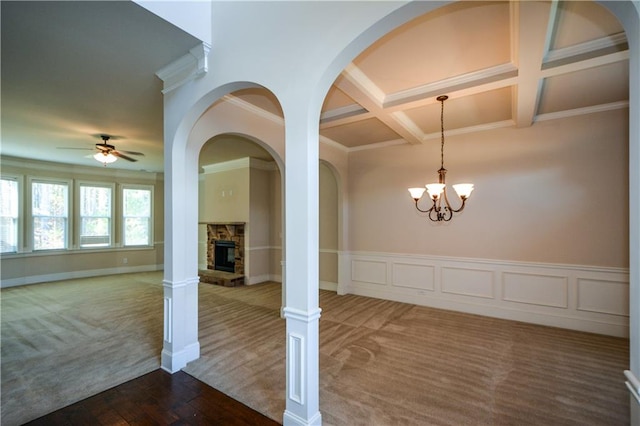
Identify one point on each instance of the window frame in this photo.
(20, 220)
(31, 217)
(79, 184)
(122, 217)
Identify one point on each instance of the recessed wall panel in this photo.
(368, 271)
(545, 290)
(413, 276)
(468, 282)
(607, 297)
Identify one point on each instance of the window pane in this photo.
(137, 217)
(136, 231)
(50, 199)
(137, 202)
(95, 216)
(95, 201)
(8, 216)
(49, 211)
(49, 233)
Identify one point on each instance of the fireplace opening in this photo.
(224, 255)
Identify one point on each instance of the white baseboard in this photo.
(36, 279)
(577, 297)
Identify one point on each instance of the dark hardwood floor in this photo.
(158, 398)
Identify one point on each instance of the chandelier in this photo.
(440, 209)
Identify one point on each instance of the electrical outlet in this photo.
(125, 260)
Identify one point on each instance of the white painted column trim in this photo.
(180, 309)
(302, 367)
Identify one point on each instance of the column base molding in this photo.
(290, 419)
(173, 362)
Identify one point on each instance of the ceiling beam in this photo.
(361, 89)
(530, 33)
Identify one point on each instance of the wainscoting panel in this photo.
(369, 271)
(536, 289)
(603, 296)
(577, 297)
(421, 277)
(468, 282)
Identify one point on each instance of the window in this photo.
(50, 215)
(95, 215)
(136, 212)
(9, 213)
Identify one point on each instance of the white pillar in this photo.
(301, 267)
(180, 344)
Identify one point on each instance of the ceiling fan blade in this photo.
(124, 157)
(133, 153)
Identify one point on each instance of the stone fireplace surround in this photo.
(228, 231)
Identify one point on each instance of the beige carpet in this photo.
(389, 363)
(381, 362)
(67, 340)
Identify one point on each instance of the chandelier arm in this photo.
(424, 211)
(464, 200)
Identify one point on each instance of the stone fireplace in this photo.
(227, 239)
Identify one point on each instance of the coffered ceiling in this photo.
(501, 64)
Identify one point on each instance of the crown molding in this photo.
(618, 40)
(253, 109)
(76, 169)
(240, 163)
(581, 111)
(186, 68)
(448, 85)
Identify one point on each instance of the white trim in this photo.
(614, 40)
(291, 419)
(633, 384)
(240, 163)
(102, 172)
(186, 68)
(254, 109)
(448, 85)
(300, 315)
(540, 293)
(37, 279)
(581, 111)
(356, 76)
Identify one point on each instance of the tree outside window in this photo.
(9, 202)
(137, 217)
(95, 216)
(49, 204)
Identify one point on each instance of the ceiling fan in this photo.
(106, 150)
(108, 153)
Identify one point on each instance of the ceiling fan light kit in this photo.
(105, 157)
(108, 154)
(441, 210)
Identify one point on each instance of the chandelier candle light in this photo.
(441, 211)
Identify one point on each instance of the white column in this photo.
(180, 344)
(301, 267)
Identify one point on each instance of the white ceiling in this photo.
(74, 70)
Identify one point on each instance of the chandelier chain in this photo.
(442, 133)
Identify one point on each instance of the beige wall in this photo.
(226, 196)
(556, 192)
(328, 218)
(245, 193)
(33, 267)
